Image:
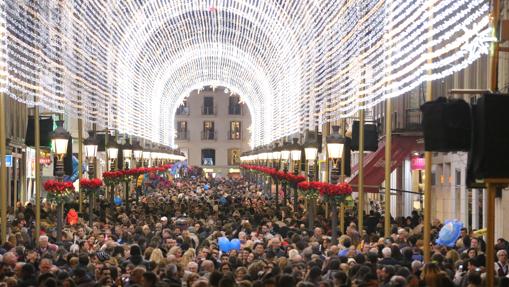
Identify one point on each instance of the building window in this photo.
(182, 130)
(457, 176)
(183, 109)
(235, 130)
(234, 105)
(208, 157)
(208, 106)
(208, 130)
(234, 156)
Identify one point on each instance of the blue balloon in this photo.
(235, 244)
(117, 200)
(449, 233)
(224, 244)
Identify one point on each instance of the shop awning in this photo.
(374, 163)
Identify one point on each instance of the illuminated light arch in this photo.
(234, 73)
(136, 43)
(318, 60)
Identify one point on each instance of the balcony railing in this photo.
(183, 111)
(413, 118)
(234, 109)
(208, 135)
(234, 135)
(208, 110)
(182, 135)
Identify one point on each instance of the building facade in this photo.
(212, 129)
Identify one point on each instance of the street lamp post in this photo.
(285, 158)
(295, 154)
(138, 155)
(91, 144)
(112, 152)
(276, 157)
(127, 152)
(59, 141)
(311, 153)
(335, 145)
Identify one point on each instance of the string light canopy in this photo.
(128, 64)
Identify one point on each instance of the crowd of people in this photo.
(169, 237)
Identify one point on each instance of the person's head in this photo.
(224, 258)
(474, 243)
(473, 265)
(240, 273)
(340, 278)
(43, 241)
(156, 256)
(430, 274)
(10, 259)
(137, 275)
(192, 267)
(207, 266)
(225, 267)
(105, 276)
(149, 279)
(472, 252)
(27, 271)
(502, 255)
(464, 232)
(275, 243)
(258, 249)
(18, 268)
(45, 265)
(387, 252)
(386, 272)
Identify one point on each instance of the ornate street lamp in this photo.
(91, 144)
(285, 159)
(146, 156)
(276, 157)
(295, 155)
(127, 153)
(137, 152)
(335, 145)
(112, 151)
(59, 141)
(311, 153)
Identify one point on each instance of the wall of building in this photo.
(222, 144)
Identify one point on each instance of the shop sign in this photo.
(417, 163)
(45, 160)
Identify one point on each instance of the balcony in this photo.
(234, 135)
(183, 111)
(182, 136)
(234, 109)
(209, 110)
(208, 135)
